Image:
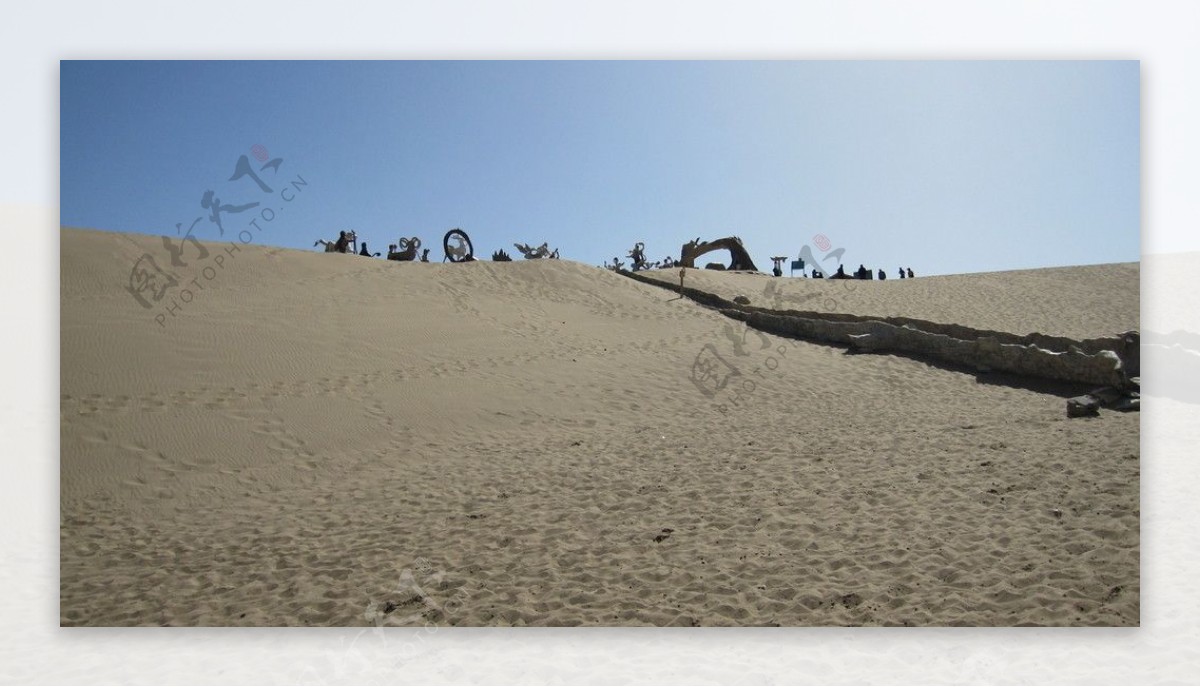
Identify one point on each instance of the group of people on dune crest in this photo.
(861, 273)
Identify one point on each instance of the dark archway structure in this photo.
(694, 249)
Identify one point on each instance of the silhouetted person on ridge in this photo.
(901, 272)
(841, 273)
(343, 242)
(882, 274)
(364, 252)
(910, 274)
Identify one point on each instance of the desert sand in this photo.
(1077, 302)
(322, 439)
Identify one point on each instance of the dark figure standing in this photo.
(910, 274)
(901, 272)
(882, 274)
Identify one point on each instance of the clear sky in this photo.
(942, 166)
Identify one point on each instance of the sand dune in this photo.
(318, 439)
(1077, 302)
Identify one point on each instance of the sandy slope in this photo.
(323, 439)
(1079, 302)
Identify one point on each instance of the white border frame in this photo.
(34, 38)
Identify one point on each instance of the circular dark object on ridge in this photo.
(458, 246)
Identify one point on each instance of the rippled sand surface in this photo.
(318, 439)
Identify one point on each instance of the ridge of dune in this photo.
(1079, 302)
(322, 439)
(1111, 361)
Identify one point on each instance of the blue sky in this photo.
(946, 167)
